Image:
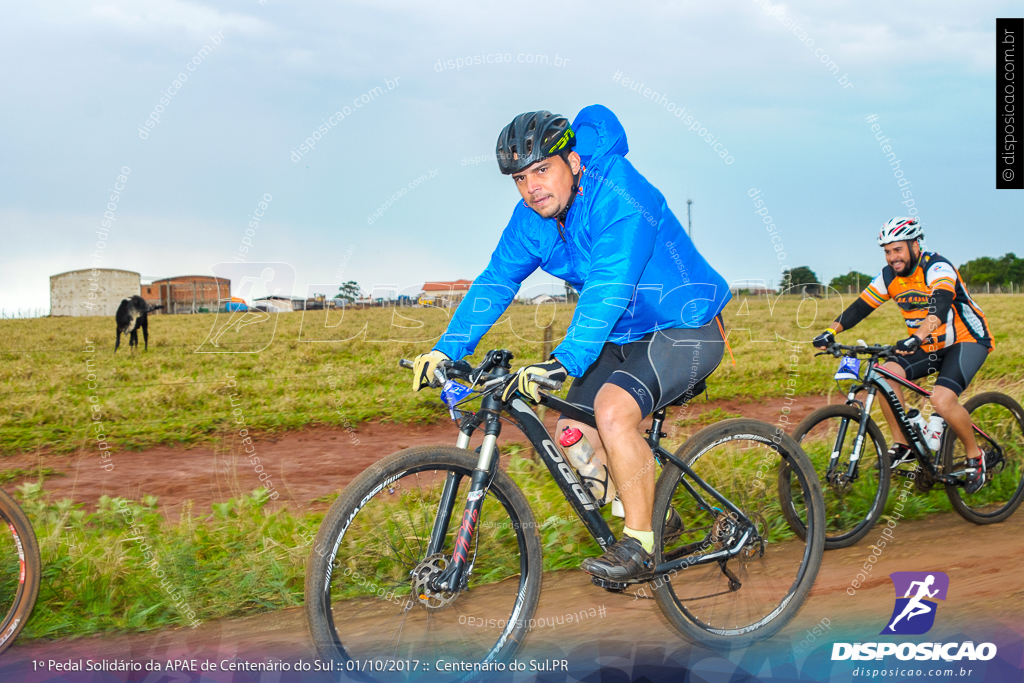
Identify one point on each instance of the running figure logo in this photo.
(266, 289)
(914, 613)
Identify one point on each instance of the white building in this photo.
(96, 291)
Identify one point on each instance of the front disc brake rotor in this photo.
(421, 576)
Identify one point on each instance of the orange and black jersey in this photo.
(934, 287)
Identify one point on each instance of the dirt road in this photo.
(983, 605)
(304, 465)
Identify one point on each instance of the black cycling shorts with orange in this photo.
(956, 364)
(655, 370)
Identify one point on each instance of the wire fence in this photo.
(24, 313)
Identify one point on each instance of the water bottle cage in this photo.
(585, 480)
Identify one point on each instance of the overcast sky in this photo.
(80, 79)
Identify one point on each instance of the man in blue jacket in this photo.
(645, 330)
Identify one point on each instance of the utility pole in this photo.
(689, 222)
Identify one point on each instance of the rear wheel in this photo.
(754, 594)
(851, 507)
(21, 567)
(1001, 422)
(367, 597)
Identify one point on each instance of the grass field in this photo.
(289, 367)
(239, 558)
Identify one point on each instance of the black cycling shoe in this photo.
(900, 454)
(624, 560)
(975, 473)
(674, 528)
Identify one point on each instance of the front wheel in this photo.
(852, 504)
(368, 597)
(1001, 422)
(19, 580)
(754, 593)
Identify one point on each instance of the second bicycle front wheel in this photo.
(852, 506)
(368, 600)
(754, 593)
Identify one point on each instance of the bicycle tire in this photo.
(858, 532)
(949, 460)
(29, 571)
(678, 616)
(344, 511)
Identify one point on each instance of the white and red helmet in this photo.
(899, 229)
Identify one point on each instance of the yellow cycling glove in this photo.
(551, 369)
(423, 367)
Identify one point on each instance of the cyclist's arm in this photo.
(876, 294)
(941, 280)
(515, 257)
(623, 242)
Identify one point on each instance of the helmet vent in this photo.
(529, 145)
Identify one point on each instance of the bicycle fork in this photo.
(457, 572)
(836, 478)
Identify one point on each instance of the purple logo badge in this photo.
(916, 593)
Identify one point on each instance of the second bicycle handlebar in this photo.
(881, 350)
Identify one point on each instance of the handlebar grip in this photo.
(407, 364)
(552, 384)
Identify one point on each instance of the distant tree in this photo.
(801, 275)
(852, 279)
(988, 270)
(349, 291)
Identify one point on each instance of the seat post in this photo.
(657, 419)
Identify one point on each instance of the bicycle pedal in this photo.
(611, 586)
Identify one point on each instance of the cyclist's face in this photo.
(899, 255)
(547, 184)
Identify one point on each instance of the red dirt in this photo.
(983, 604)
(304, 465)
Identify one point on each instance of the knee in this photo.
(615, 410)
(944, 399)
(895, 368)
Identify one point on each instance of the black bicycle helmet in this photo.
(531, 137)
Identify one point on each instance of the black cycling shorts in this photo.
(956, 364)
(656, 370)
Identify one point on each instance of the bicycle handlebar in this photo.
(447, 369)
(835, 349)
(546, 382)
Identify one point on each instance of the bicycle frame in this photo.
(875, 380)
(455, 575)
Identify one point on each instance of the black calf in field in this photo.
(131, 315)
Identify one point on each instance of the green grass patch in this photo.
(320, 368)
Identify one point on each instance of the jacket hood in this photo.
(598, 134)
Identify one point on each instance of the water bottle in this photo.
(916, 419)
(933, 431)
(594, 475)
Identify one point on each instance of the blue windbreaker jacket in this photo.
(624, 252)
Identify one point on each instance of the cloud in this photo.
(151, 18)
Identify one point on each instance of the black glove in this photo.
(909, 345)
(551, 369)
(824, 340)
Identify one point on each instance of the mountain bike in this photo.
(849, 453)
(394, 577)
(19, 582)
